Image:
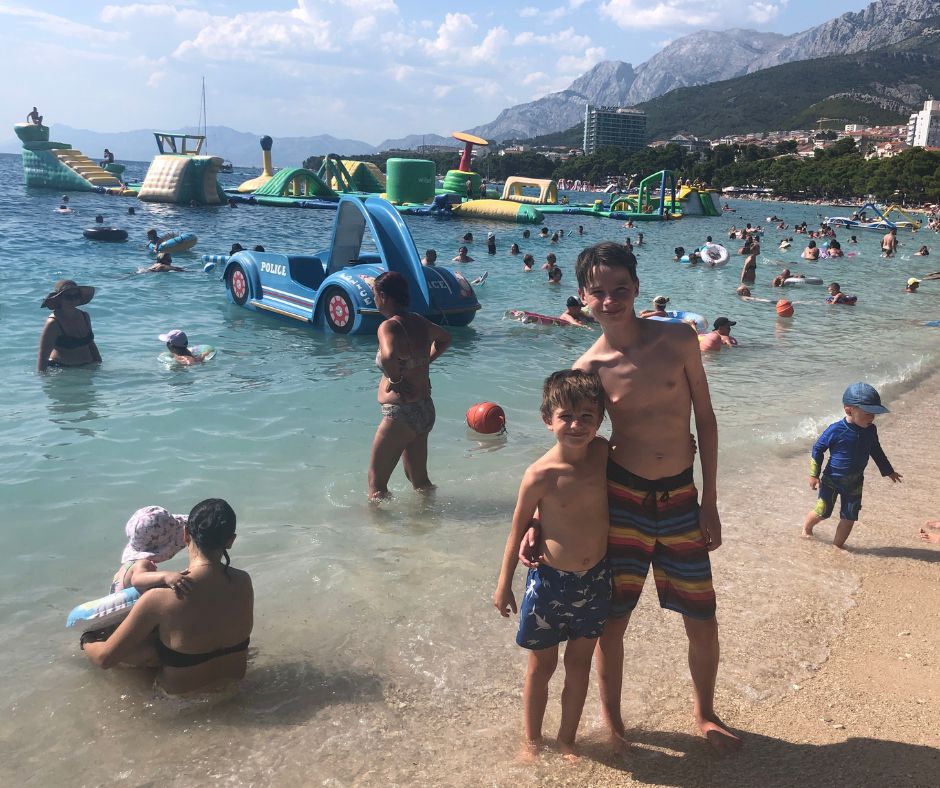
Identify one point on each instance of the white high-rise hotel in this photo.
(923, 129)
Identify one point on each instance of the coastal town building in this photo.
(923, 128)
(619, 127)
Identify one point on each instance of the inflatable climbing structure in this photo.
(180, 175)
(57, 165)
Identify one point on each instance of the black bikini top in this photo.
(66, 342)
(177, 659)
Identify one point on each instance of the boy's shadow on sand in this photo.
(930, 555)
(683, 760)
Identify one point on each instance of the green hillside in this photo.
(796, 95)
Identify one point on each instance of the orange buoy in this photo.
(784, 308)
(486, 418)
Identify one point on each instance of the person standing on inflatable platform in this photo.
(653, 382)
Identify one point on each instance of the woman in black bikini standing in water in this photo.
(407, 345)
(198, 631)
(67, 339)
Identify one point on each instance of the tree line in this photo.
(837, 172)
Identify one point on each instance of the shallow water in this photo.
(374, 629)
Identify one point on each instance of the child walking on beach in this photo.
(850, 442)
(567, 595)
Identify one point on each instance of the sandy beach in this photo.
(868, 713)
(864, 712)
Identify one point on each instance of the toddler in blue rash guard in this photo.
(850, 442)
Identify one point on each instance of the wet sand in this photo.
(865, 712)
(832, 677)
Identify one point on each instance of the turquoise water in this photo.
(358, 609)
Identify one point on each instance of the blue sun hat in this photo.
(864, 397)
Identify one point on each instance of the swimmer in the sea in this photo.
(164, 264)
(178, 344)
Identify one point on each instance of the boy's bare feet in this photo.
(719, 735)
(927, 537)
(935, 524)
(529, 752)
(568, 751)
(807, 532)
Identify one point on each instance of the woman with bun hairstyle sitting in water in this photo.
(198, 632)
(67, 339)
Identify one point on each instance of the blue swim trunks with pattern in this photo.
(561, 605)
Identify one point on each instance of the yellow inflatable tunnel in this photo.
(548, 190)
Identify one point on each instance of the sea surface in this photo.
(374, 627)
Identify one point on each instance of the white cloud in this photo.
(578, 64)
(565, 40)
(59, 25)
(762, 13)
(662, 13)
(672, 14)
(400, 72)
(528, 11)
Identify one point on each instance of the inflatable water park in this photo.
(59, 166)
(181, 174)
(860, 220)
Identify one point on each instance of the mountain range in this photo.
(704, 57)
(239, 147)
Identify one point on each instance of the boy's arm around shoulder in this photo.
(530, 493)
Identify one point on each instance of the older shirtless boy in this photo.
(653, 382)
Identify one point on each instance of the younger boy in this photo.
(851, 442)
(567, 595)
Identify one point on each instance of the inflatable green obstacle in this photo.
(57, 165)
(292, 184)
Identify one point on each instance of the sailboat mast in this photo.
(203, 117)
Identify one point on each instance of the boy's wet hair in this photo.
(606, 253)
(567, 388)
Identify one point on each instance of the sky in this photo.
(358, 69)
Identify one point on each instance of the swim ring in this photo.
(105, 234)
(803, 280)
(534, 317)
(714, 254)
(847, 301)
(681, 316)
(205, 352)
(178, 243)
(103, 612)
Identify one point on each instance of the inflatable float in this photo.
(714, 254)
(693, 319)
(201, 352)
(524, 316)
(803, 280)
(104, 612)
(847, 300)
(182, 242)
(105, 234)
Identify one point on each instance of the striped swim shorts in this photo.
(657, 522)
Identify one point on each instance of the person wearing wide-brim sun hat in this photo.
(67, 339)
